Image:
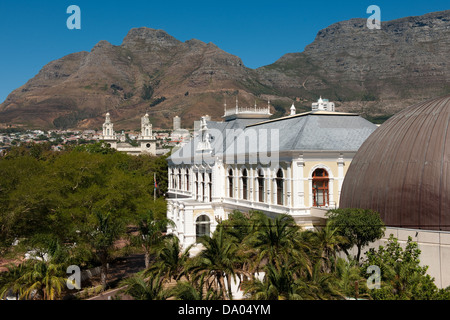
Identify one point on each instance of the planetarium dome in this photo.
(403, 169)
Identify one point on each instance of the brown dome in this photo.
(403, 169)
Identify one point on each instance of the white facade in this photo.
(323, 105)
(212, 176)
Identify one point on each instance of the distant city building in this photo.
(176, 123)
(179, 135)
(146, 140)
(323, 105)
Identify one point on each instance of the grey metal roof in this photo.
(320, 131)
(311, 131)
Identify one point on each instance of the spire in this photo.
(293, 110)
(268, 106)
(237, 107)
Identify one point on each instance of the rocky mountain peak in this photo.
(149, 36)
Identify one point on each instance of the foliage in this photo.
(402, 276)
(151, 233)
(145, 289)
(359, 226)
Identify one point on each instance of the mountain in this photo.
(373, 72)
(406, 60)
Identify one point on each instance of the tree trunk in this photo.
(230, 293)
(103, 275)
(224, 289)
(147, 259)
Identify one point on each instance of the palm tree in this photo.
(141, 288)
(217, 260)
(278, 284)
(170, 260)
(274, 239)
(151, 233)
(350, 280)
(319, 285)
(42, 280)
(9, 280)
(102, 237)
(195, 289)
(329, 242)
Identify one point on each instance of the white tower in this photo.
(109, 135)
(293, 110)
(176, 123)
(146, 138)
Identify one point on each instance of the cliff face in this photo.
(407, 59)
(376, 72)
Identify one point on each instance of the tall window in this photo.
(320, 187)
(260, 185)
(202, 227)
(174, 180)
(210, 186)
(230, 183)
(279, 182)
(196, 185)
(179, 179)
(187, 179)
(244, 185)
(203, 187)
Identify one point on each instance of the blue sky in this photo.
(33, 33)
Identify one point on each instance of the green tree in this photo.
(42, 280)
(359, 226)
(195, 289)
(101, 236)
(402, 276)
(274, 239)
(218, 260)
(329, 241)
(141, 288)
(151, 233)
(170, 260)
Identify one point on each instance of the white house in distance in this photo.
(146, 139)
(249, 162)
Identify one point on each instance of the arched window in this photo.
(320, 187)
(279, 182)
(230, 183)
(202, 227)
(244, 184)
(260, 185)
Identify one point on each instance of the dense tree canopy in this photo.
(58, 192)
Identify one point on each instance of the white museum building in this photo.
(248, 161)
